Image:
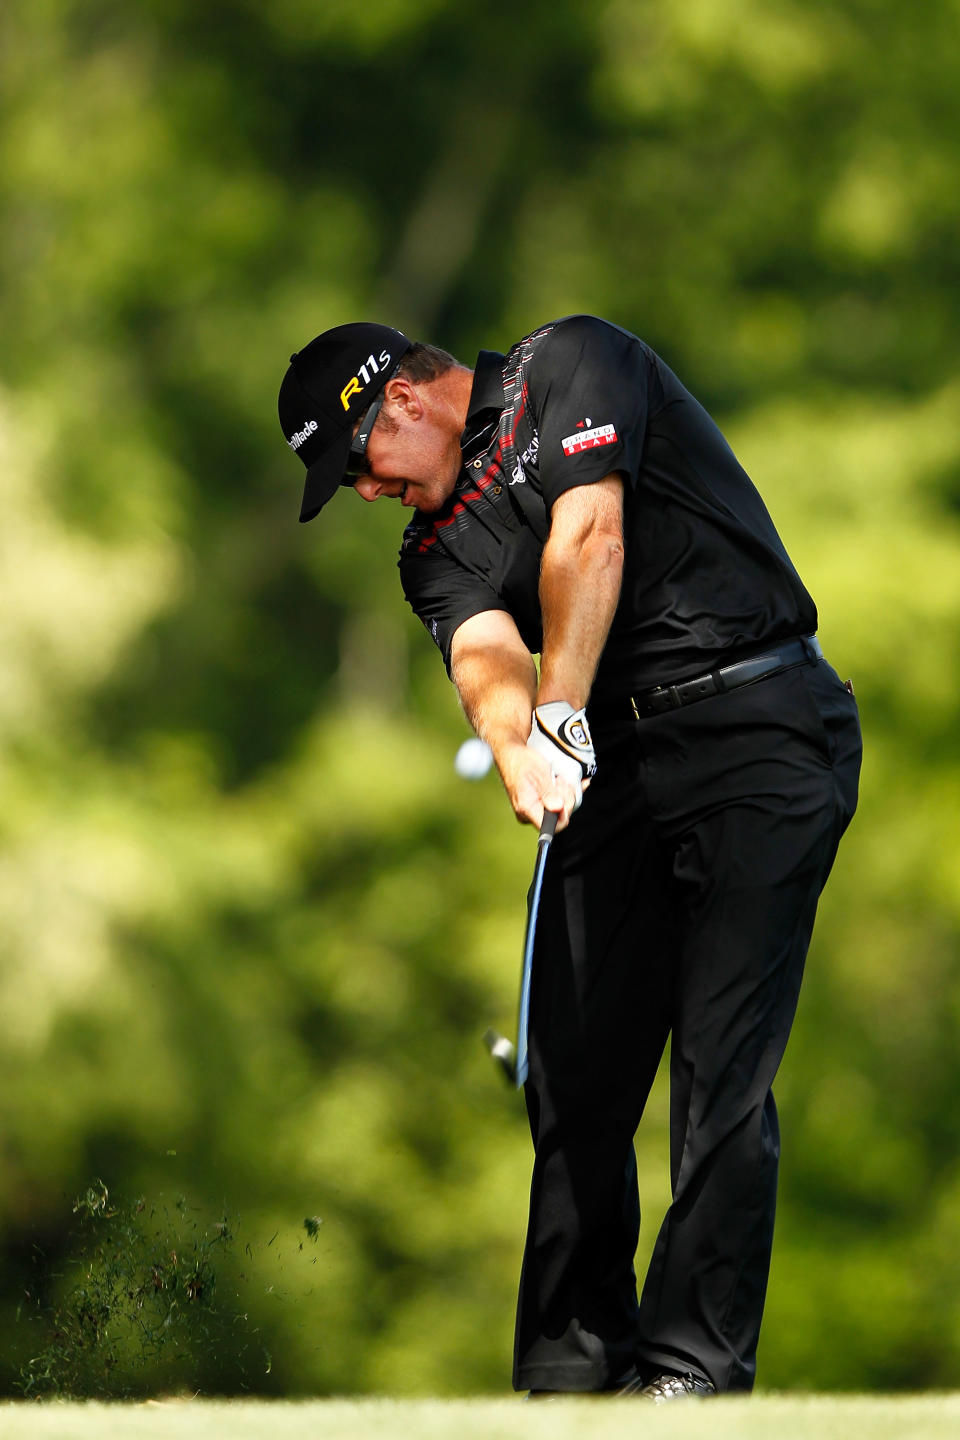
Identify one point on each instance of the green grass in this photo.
(769, 1417)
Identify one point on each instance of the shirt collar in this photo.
(486, 399)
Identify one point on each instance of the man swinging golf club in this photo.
(571, 499)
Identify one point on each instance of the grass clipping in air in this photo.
(137, 1304)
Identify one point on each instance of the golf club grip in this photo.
(548, 825)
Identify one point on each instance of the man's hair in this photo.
(423, 363)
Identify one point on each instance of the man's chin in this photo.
(429, 499)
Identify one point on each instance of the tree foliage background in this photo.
(251, 924)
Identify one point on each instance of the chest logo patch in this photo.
(589, 439)
(519, 475)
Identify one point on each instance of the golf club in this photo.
(503, 1053)
(547, 830)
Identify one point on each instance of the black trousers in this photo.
(679, 902)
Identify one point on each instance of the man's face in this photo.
(413, 453)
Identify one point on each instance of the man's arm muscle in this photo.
(497, 682)
(580, 578)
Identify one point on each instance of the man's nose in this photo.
(368, 488)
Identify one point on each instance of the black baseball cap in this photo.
(330, 384)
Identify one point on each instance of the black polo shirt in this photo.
(706, 577)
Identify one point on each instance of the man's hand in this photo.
(497, 682)
(532, 787)
(496, 679)
(562, 736)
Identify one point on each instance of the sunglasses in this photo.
(357, 462)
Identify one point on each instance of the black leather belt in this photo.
(805, 651)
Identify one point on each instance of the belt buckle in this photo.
(662, 699)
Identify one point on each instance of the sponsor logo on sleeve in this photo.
(589, 439)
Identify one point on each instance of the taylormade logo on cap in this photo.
(298, 436)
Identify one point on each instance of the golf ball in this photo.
(473, 759)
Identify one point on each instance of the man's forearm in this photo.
(497, 685)
(580, 579)
(497, 682)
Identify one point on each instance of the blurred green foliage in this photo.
(251, 924)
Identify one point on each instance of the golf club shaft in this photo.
(547, 830)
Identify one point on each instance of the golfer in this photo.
(572, 500)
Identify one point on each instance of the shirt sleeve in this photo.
(443, 594)
(588, 385)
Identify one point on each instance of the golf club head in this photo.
(503, 1053)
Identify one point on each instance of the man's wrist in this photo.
(506, 738)
(550, 692)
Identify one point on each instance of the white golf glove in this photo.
(562, 736)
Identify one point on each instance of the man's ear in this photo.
(404, 397)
